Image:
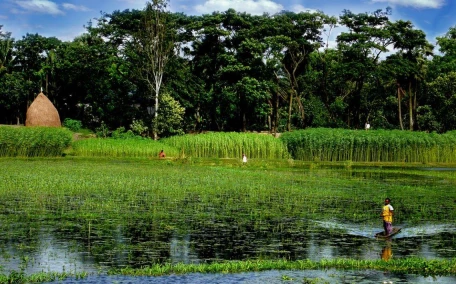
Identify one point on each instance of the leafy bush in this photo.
(120, 133)
(138, 127)
(102, 131)
(72, 124)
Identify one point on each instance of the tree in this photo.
(169, 121)
(6, 49)
(361, 47)
(409, 64)
(155, 43)
(297, 36)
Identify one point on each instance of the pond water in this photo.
(51, 250)
(272, 277)
(76, 245)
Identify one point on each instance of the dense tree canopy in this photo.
(231, 71)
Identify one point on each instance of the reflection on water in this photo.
(387, 251)
(51, 250)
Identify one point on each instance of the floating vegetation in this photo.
(416, 266)
(19, 277)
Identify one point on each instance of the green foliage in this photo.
(228, 145)
(72, 124)
(138, 127)
(170, 117)
(102, 131)
(19, 277)
(324, 144)
(410, 265)
(33, 141)
(120, 133)
(242, 72)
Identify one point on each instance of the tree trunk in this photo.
(155, 130)
(289, 111)
(410, 106)
(399, 106)
(276, 114)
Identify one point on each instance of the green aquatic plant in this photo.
(417, 266)
(19, 277)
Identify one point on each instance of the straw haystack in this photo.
(42, 113)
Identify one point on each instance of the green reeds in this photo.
(107, 147)
(33, 141)
(324, 144)
(229, 145)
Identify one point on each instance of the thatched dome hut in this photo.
(42, 112)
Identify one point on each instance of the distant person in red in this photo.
(162, 154)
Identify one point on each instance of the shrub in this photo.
(120, 133)
(72, 124)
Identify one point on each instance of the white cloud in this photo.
(254, 7)
(434, 4)
(68, 6)
(3, 17)
(299, 8)
(40, 6)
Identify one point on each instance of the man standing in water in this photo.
(387, 215)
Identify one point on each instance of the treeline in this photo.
(231, 71)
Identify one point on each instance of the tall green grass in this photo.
(323, 144)
(228, 145)
(33, 141)
(135, 147)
